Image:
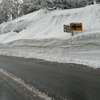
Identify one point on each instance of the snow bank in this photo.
(40, 35)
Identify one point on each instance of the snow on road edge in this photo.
(27, 86)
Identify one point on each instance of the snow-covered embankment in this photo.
(40, 35)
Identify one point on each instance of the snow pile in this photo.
(40, 35)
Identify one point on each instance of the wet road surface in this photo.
(73, 82)
(7, 92)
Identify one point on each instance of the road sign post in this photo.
(72, 33)
(75, 27)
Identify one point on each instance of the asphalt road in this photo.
(73, 82)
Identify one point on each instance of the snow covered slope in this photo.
(40, 35)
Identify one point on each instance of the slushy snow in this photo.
(40, 35)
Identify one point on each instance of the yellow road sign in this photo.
(76, 27)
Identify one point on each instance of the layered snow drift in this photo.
(40, 35)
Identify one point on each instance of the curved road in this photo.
(70, 81)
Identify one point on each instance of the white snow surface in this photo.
(40, 35)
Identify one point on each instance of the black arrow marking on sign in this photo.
(75, 27)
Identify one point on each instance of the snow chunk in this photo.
(7, 28)
(20, 25)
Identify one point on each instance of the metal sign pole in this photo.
(72, 33)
